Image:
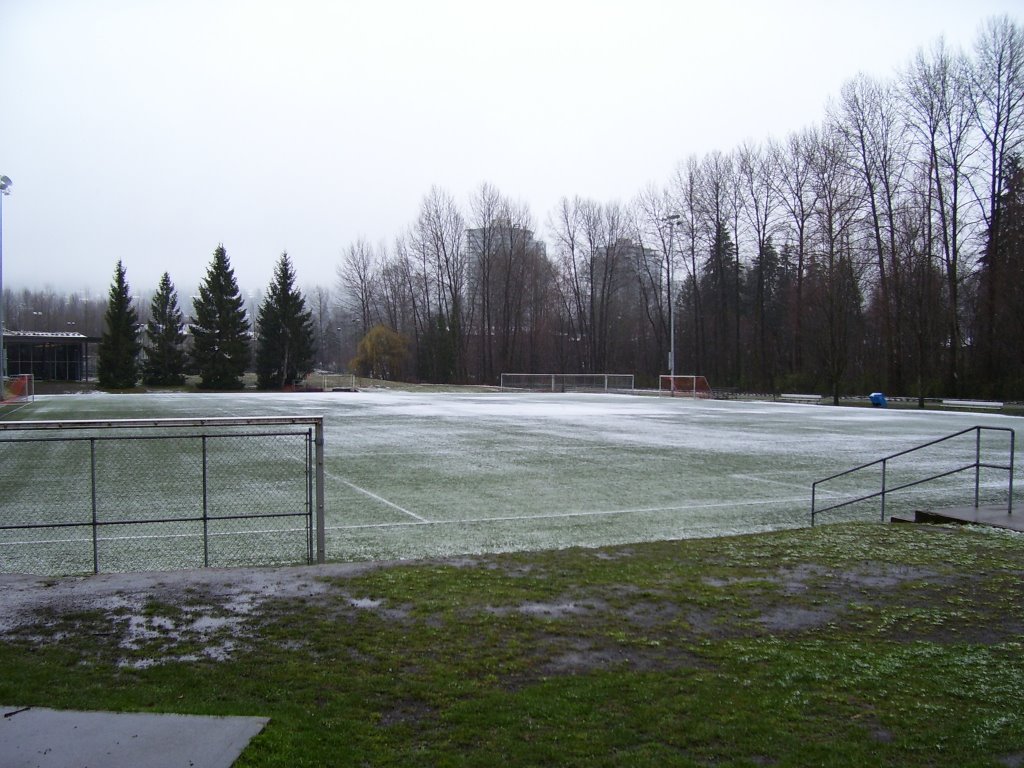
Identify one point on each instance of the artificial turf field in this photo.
(438, 474)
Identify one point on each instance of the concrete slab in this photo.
(33, 737)
(995, 516)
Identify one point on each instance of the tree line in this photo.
(881, 249)
(220, 332)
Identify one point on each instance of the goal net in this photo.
(18, 389)
(567, 382)
(329, 382)
(684, 386)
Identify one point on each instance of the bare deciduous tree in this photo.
(997, 89)
(936, 96)
(868, 119)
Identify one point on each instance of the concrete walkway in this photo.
(47, 738)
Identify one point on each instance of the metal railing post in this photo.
(884, 467)
(977, 465)
(1009, 503)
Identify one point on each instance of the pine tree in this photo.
(119, 345)
(284, 342)
(220, 327)
(165, 357)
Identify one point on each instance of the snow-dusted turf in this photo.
(439, 474)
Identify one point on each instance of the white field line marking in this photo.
(382, 500)
(562, 515)
(762, 479)
(13, 409)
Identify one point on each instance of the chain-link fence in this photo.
(160, 494)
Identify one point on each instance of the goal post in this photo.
(567, 382)
(684, 386)
(321, 381)
(18, 389)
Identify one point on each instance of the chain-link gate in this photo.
(160, 494)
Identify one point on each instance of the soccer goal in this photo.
(329, 382)
(684, 386)
(19, 389)
(567, 382)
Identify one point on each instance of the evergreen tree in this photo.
(165, 357)
(119, 346)
(998, 350)
(284, 341)
(220, 327)
(719, 285)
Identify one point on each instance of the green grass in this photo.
(840, 645)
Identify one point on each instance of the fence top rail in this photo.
(929, 444)
(214, 421)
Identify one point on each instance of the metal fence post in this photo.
(320, 533)
(95, 529)
(310, 468)
(206, 513)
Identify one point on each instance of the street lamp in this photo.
(341, 348)
(672, 219)
(5, 189)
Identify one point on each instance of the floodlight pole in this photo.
(671, 219)
(5, 189)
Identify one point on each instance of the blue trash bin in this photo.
(878, 400)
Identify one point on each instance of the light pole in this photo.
(5, 189)
(671, 220)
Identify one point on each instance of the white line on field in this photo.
(762, 479)
(560, 515)
(7, 413)
(383, 501)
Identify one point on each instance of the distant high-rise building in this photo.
(502, 237)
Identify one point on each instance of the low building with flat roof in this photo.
(47, 355)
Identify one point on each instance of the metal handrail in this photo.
(976, 465)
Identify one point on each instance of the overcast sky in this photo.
(152, 130)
